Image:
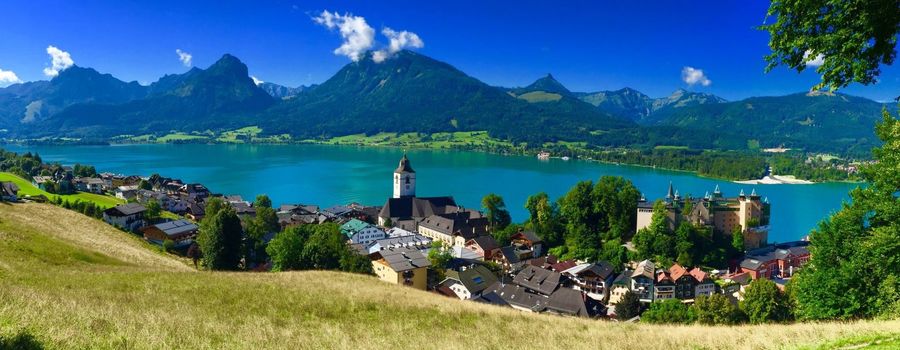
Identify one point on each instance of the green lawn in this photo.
(180, 136)
(539, 96)
(27, 189)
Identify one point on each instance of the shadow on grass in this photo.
(21, 341)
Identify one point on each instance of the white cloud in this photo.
(816, 61)
(32, 111)
(256, 81)
(691, 76)
(59, 61)
(358, 35)
(184, 57)
(398, 41)
(8, 77)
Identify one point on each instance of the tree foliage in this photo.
(220, 238)
(764, 302)
(717, 309)
(854, 261)
(671, 311)
(629, 306)
(853, 37)
(593, 214)
(497, 214)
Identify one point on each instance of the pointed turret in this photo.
(677, 196)
(670, 194)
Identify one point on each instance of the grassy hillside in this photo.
(27, 189)
(73, 282)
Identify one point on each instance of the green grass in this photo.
(180, 136)
(665, 147)
(539, 96)
(441, 140)
(73, 282)
(28, 189)
(877, 341)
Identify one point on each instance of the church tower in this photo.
(404, 179)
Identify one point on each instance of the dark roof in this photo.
(509, 252)
(518, 296)
(415, 207)
(404, 166)
(486, 242)
(539, 280)
(569, 302)
(528, 235)
(600, 269)
(624, 278)
(476, 278)
(460, 223)
(10, 189)
(402, 259)
(177, 227)
(125, 209)
(757, 257)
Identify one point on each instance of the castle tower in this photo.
(404, 179)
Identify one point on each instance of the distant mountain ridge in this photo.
(415, 93)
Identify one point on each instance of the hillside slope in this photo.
(73, 282)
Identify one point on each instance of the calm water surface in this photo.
(329, 175)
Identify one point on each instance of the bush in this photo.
(717, 309)
(168, 245)
(669, 311)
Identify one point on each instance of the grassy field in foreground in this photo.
(73, 282)
(27, 189)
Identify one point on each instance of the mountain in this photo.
(544, 89)
(34, 101)
(414, 93)
(220, 96)
(634, 105)
(820, 122)
(282, 92)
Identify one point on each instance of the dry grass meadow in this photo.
(74, 282)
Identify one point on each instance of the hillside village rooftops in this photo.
(402, 259)
(517, 296)
(539, 280)
(416, 207)
(757, 257)
(476, 279)
(645, 268)
(353, 226)
(600, 269)
(125, 209)
(177, 227)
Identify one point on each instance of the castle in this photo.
(721, 214)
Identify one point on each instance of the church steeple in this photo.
(404, 179)
(671, 194)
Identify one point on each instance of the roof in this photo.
(177, 227)
(400, 241)
(125, 209)
(509, 253)
(601, 269)
(518, 296)
(563, 265)
(568, 301)
(486, 242)
(756, 258)
(353, 226)
(538, 279)
(415, 207)
(624, 278)
(676, 271)
(404, 166)
(699, 274)
(645, 268)
(527, 235)
(476, 279)
(403, 259)
(10, 188)
(457, 223)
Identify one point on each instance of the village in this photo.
(404, 237)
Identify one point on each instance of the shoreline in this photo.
(778, 180)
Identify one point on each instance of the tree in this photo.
(851, 37)
(438, 256)
(655, 240)
(193, 253)
(669, 311)
(324, 247)
(764, 302)
(144, 185)
(737, 240)
(614, 253)
(154, 210)
(286, 247)
(863, 236)
(544, 219)
(717, 309)
(353, 262)
(629, 306)
(262, 201)
(684, 244)
(497, 214)
(168, 245)
(220, 239)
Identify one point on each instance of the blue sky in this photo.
(587, 45)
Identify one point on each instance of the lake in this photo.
(330, 175)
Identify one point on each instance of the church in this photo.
(438, 218)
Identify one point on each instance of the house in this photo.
(401, 266)
(485, 246)
(776, 261)
(182, 232)
(510, 259)
(517, 297)
(358, 231)
(643, 279)
(412, 241)
(42, 181)
(593, 279)
(687, 284)
(399, 232)
(469, 282)
(539, 280)
(90, 184)
(663, 286)
(9, 192)
(529, 239)
(129, 216)
(570, 302)
(454, 229)
(618, 288)
(126, 192)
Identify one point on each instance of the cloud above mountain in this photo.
(256, 80)
(8, 77)
(184, 57)
(693, 76)
(59, 61)
(359, 36)
(398, 41)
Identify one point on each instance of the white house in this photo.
(361, 232)
(126, 216)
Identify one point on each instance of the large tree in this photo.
(497, 214)
(765, 302)
(220, 238)
(717, 309)
(854, 266)
(852, 38)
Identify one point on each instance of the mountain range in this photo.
(415, 93)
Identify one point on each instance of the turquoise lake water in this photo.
(330, 175)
